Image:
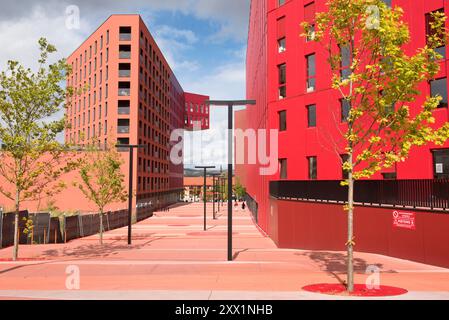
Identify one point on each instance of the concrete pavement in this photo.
(173, 258)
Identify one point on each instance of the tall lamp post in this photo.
(215, 179)
(204, 192)
(131, 148)
(230, 104)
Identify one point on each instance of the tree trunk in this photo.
(15, 252)
(350, 243)
(101, 227)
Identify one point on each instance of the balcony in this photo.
(124, 70)
(125, 34)
(124, 107)
(125, 52)
(123, 126)
(124, 89)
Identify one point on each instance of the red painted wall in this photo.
(317, 226)
(196, 110)
(299, 142)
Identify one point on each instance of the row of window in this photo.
(440, 161)
(438, 87)
(345, 54)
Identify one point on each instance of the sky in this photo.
(203, 40)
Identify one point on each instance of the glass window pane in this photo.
(439, 87)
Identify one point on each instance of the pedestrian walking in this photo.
(243, 205)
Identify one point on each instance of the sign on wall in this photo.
(404, 220)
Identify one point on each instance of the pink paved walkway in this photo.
(173, 258)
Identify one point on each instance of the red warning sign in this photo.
(404, 220)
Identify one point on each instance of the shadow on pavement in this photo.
(334, 263)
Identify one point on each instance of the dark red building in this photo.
(291, 80)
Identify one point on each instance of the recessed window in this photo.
(441, 163)
(387, 2)
(282, 45)
(282, 70)
(313, 174)
(345, 62)
(430, 32)
(311, 116)
(344, 107)
(282, 120)
(309, 17)
(125, 33)
(283, 169)
(389, 176)
(438, 87)
(311, 73)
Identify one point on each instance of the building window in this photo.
(441, 163)
(429, 32)
(344, 173)
(309, 17)
(283, 169)
(125, 34)
(387, 2)
(312, 168)
(281, 33)
(344, 107)
(282, 69)
(389, 176)
(281, 45)
(311, 73)
(438, 87)
(281, 3)
(282, 120)
(345, 62)
(311, 116)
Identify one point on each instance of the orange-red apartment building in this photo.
(130, 95)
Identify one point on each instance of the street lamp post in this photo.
(230, 104)
(215, 178)
(130, 187)
(204, 192)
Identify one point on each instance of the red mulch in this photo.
(360, 290)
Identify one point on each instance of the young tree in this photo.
(377, 80)
(102, 181)
(239, 189)
(31, 159)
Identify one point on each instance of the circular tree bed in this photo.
(360, 290)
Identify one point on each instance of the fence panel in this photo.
(428, 194)
(72, 228)
(8, 229)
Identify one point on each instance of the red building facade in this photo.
(131, 96)
(291, 80)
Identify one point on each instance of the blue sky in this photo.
(204, 41)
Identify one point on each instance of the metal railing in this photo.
(420, 194)
(124, 73)
(253, 206)
(125, 54)
(124, 92)
(122, 129)
(124, 110)
(125, 36)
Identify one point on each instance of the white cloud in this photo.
(172, 33)
(20, 37)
